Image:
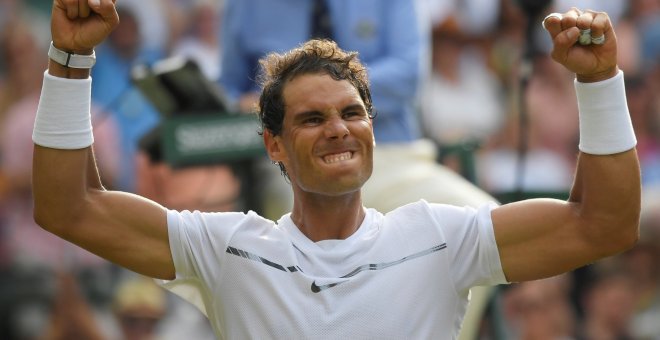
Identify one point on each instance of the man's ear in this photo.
(371, 125)
(273, 147)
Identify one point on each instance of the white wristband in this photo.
(63, 116)
(605, 125)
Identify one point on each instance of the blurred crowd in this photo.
(498, 110)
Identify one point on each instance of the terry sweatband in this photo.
(63, 116)
(605, 125)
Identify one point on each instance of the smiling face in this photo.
(326, 143)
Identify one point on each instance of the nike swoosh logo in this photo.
(377, 266)
(316, 289)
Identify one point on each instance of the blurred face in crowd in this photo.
(612, 291)
(138, 327)
(327, 137)
(126, 36)
(206, 21)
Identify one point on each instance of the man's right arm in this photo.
(69, 199)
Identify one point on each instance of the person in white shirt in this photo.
(333, 268)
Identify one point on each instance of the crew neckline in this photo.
(300, 240)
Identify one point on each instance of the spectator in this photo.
(641, 264)
(20, 77)
(200, 41)
(550, 152)
(26, 241)
(118, 97)
(71, 316)
(646, 16)
(207, 188)
(538, 310)
(139, 305)
(614, 8)
(610, 287)
(475, 17)
(450, 115)
(645, 115)
(158, 20)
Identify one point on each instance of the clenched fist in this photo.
(592, 60)
(79, 25)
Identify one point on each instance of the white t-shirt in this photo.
(403, 275)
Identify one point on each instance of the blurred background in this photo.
(490, 105)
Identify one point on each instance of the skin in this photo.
(325, 117)
(325, 120)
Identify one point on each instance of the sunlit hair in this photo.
(313, 57)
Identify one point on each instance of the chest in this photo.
(386, 294)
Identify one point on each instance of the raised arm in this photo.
(69, 198)
(541, 238)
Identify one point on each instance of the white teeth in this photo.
(329, 159)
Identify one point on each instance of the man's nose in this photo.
(336, 127)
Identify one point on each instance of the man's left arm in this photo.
(541, 238)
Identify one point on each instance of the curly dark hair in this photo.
(313, 57)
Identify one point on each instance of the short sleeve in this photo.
(473, 254)
(198, 242)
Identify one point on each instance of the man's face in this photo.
(327, 137)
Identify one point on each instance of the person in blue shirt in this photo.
(387, 37)
(116, 96)
(393, 42)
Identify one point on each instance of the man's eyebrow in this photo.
(315, 113)
(354, 107)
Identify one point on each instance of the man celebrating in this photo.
(333, 268)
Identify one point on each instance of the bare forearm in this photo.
(607, 190)
(59, 184)
(599, 220)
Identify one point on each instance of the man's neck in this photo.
(326, 218)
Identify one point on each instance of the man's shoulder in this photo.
(422, 214)
(212, 220)
(424, 207)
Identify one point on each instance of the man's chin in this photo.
(344, 186)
